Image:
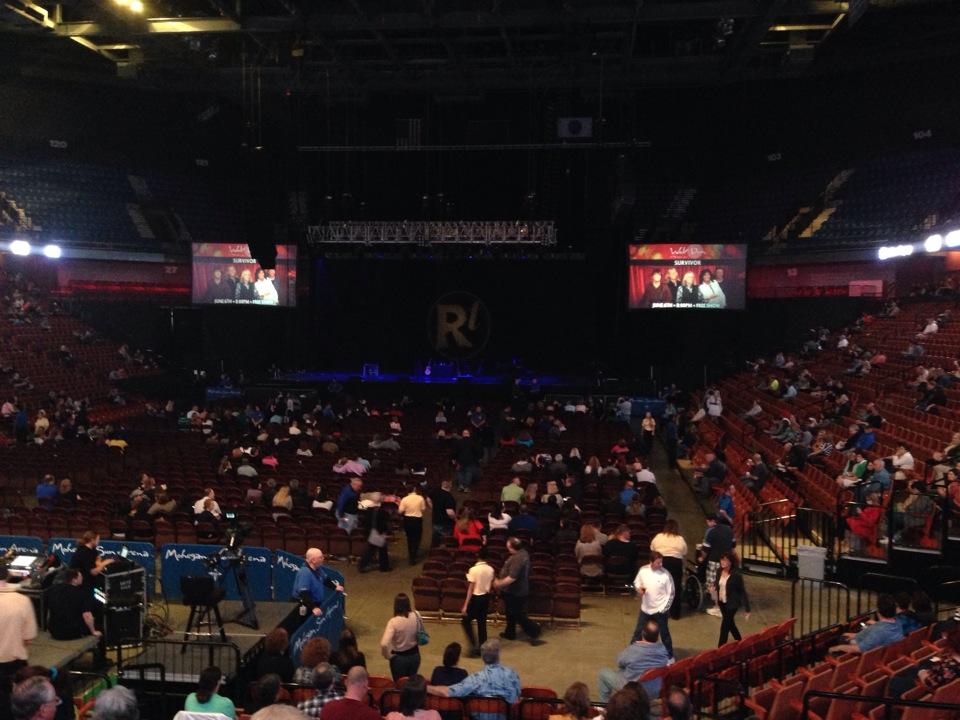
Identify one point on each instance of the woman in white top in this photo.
(266, 292)
(714, 403)
(498, 519)
(399, 642)
(710, 291)
(670, 543)
(412, 507)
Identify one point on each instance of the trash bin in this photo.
(810, 561)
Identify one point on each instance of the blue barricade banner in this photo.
(143, 554)
(178, 561)
(285, 572)
(22, 543)
(328, 625)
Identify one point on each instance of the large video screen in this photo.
(671, 277)
(226, 274)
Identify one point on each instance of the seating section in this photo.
(886, 385)
(76, 203)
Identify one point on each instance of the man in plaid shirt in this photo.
(324, 682)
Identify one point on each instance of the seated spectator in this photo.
(449, 673)
(162, 505)
(498, 519)
(628, 492)
(67, 496)
(200, 505)
(206, 699)
(354, 705)
(512, 492)
(282, 500)
(315, 651)
(413, 700)
(326, 684)
(853, 471)
(620, 552)
(629, 703)
(912, 514)
(524, 521)
(678, 705)
(47, 491)
(932, 397)
(274, 659)
(265, 692)
(644, 654)
(712, 472)
(576, 704)
(494, 680)
(885, 631)
(467, 530)
(590, 544)
(348, 655)
(943, 460)
(863, 523)
(901, 462)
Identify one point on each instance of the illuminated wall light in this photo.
(886, 253)
(20, 247)
(122, 3)
(136, 6)
(933, 244)
(952, 239)
(52, 251)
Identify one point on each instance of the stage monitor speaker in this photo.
(123, 625)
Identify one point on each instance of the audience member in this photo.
(326, 685)
(449, 673)
(644, 653)
(206, 699)
(353, 705)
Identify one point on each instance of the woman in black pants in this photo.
(731, 594)
(399, 642)
(670, 543)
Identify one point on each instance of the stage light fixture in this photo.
(933, 244)
(20, 247)
(52, 251)
(952, 239)
(136, 6)
(122, 3)
(893, 251)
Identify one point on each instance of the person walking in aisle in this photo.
(477, 603)
(670, 543)
(654, 586)
(412, 507)
(731, 595)
(514, 585)
(399, 642)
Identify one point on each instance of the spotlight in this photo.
(892, 251)
(952, 239)
(52, 251)
(933, 243)
(136, 6)
(20, 247)
(122, 3)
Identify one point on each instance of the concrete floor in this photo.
(570, 653)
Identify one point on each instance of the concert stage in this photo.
(434, 378)
(46, 651)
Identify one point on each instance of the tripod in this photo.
(236, 567)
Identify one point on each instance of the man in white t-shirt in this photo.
(18, 625)
(654, 586)
(644, 475)
(477, 602)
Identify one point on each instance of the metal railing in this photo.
(818, 604)
(182, 660)
(717, 697)
(888, 703)
(774, 535)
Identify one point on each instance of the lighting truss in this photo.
(433, 233)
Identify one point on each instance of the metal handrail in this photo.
(887, 702)
(833, 604)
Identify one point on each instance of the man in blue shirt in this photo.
(885, 631)
(644, 654)
(494, 680)
(312, 581)
(626, 495)
(347, 508)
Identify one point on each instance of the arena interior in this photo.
(479, 359)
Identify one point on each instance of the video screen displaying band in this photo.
(226, 274)
(670, 277)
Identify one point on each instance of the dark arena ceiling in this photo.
(466, 46)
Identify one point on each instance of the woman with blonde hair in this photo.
(590, 544)
(670, 543)
(283, 500)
